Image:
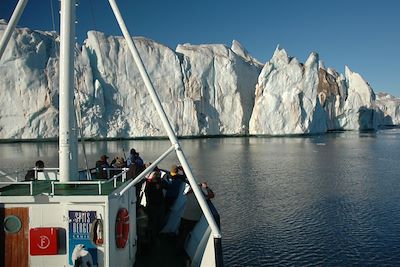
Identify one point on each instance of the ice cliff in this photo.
(390, 107)
(297, 98)
(221, 84)
(287, 97)
(205, 89)
(29, 72)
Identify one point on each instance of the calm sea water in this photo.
(330, 200)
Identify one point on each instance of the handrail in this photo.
(45, 169)
(53, 183)
(75, 183)
(146, 171)
(99, 183)
(123, 173)
(19, 183)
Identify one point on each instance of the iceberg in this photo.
(29, 85)
(296, 98)
(221, 84)
(390, 107)
(287, 97)
(207, 89)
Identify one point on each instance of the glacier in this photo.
(208, 89)
(297, 98)
(287, 98)
(389, 106)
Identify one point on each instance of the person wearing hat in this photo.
(119, 162)
(155, 203)
(172, 183)
(136, 159)
(101, 165)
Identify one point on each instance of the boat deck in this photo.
(161, 253)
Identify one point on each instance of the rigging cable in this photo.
(92, 14)
(78, 113)
(80, 126)
(52, 16)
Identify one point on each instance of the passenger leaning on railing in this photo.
(135, 164)
(101, 165)
(134, 158)
(30, 175)
(172, 183)
(118, 164)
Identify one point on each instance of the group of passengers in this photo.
(134, 163)
(160, 190)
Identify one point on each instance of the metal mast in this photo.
(68, 159)
(11, 25)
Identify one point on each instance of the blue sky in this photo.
(363, 34)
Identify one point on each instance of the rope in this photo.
(52, 15)
(92, 14)
(79, 122)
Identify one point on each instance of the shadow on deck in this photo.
(161, 253)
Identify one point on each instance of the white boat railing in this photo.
(14, 181)
(30, 183)
(113, 179)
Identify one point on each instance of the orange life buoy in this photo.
(122, 228)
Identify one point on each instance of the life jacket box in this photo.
(43, 241)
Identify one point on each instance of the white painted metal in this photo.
(200, 246)
(11, 25)
(40, 206)
(167, 126)
(147, 170)
(68, 135)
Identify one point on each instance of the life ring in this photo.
(96, 232)
(122, 228)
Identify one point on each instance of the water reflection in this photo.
(327, 200)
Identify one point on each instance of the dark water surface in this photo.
(331, 200)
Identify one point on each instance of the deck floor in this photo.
(161, 253)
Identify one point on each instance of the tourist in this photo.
(31, 174)
(135, 158)
(154, 203)
(172, 183)
(101, 165)
(118, 164)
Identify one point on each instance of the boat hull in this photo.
(71, 219)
